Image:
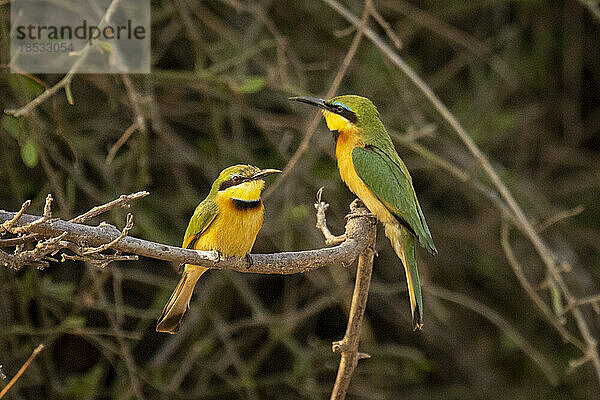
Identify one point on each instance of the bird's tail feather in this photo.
(404, 243)
(170, 320)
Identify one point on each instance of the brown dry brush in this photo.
(55, 237)
(510, 300)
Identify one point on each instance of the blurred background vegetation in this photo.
(523, 77)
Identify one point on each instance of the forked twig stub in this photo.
(124, 232)
(121, 201)
(321, 207)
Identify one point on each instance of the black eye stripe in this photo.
(344, 112)
(233, 181)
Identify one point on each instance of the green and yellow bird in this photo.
(371, 168)
(226, 221)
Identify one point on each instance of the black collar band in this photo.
(246, 204)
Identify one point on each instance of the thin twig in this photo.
(556, 320)
(479, 49)
(386, 27)
(348, 346)
(593, 7)
(501, 323)
(559, 217)
(122, 201)
(45, 217)
(120, 142)
(103, 247)
(580, 302)
(8, 224)
(15, 378)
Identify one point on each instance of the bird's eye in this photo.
(339, 109)
(236, 179)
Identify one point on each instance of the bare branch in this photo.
(279, 263)
(15, 378)
(120, 142)
(348, 346)
(501, 323)
(594, 299)
(556, 320)
(8, 224)
(559, 217)
(593, 7)
(47, 215)
(122, 201)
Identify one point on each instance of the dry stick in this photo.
(470, 43)
(125, 350)
(120, 142)
(559, 217)
(580, 302)
(523, 223)
(124, 232)
(386, 27)
(497, 320)
(8, 224)
(348, 346)
(555, 320)
(278, 263)
(312, 127)
(593, 7)
(45, 217)
(22, 369)
(122, 201)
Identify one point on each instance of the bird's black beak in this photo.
(313, 101)
(264, 172)
(325, 105)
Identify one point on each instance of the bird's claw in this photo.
(249, 261)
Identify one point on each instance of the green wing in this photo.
(203, 216)
(387, 177)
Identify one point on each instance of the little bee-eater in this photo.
(371, 168)
(227, 221)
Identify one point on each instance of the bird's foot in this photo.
(359, 214)
(249, 261)
(217, 256)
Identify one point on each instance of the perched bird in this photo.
(227, 221)
(371, 168)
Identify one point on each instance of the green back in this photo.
(204, 214)
(381, 169)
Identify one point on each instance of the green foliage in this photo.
(11, 125)
(29, 154)
(86, 386)
(251, 84)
